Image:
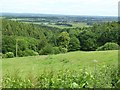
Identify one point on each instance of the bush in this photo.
(56, 50)
(35, 53)
(48, 49)
(20, 53)
(30, 53)
(63, 50)
(27, 52)
(9, 55)
(108, 46)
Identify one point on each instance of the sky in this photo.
(65, 7)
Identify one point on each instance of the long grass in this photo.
(105, 77)
(70, 70)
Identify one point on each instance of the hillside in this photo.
(73, 60)
(36, 56)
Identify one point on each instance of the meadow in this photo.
(74, 25)
(70, 70)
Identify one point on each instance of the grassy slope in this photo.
(71, 60)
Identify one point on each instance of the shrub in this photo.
(48, 49)
(29, 53)
(9, 55)
(20, 53)
(63, 50)
(56, 50)
(35, 53)
(108, 46)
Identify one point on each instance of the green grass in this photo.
(72, 60)
(71, 70)
(74, 25)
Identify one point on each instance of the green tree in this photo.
(74, 44)
(8, 44)
(48, 49)
(21, 44)
(63, 39)
(88, 40)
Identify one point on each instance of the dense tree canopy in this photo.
(37, 37)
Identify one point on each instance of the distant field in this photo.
(73, 60)
(74, 25)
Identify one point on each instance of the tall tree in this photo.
(63, 39)
(74, 44)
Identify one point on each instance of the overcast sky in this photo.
(67, 7)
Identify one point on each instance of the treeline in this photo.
(30, 39)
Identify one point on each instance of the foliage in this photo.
(74, 44)
(65, 79)
(8, 44)
(48, 49)
(9, 55)
(36, 71)
(36, 37)
(63, 50)
(27, 52)
(88, 40)
(21, 44)
(108, 46)
(30, 53)
(56, 50)
(63, 39)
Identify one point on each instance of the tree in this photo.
(8, 44)
(48, 49)
(63, 39)
(22, 44)
(74, 44)
(43, 42)
(88, 40)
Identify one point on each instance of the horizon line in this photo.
(57, 14)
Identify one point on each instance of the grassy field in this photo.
(74, 25)
(71, 70)
(72, 60)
